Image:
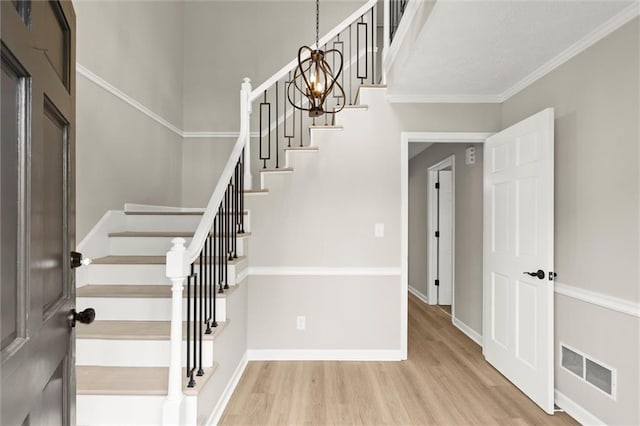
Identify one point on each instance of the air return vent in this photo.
(589, 370)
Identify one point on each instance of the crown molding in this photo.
(599, 33)
(616, 22)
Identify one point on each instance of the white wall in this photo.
(122, 154)
(596, 97)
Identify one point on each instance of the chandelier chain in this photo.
(317, 24)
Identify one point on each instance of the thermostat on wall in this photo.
(470, 155)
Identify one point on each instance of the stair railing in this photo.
(203, 266)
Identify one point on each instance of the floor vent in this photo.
(589, 370)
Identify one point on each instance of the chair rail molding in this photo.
(613, 303)
(110, 88)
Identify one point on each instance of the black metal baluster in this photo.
(301, 128)
(277, 143)
(236, 206)
(241, 191)
(212, 276)
(225, 238)
(373, 63)
(293, 114)
(206, 282)
(359, 27)
(266, 104)
(200, 317)
(220, 246)
(350, 59)
(190, 340)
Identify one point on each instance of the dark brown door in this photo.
(37, 212)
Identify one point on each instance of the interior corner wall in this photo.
(468, 227)
(122, 154)
(597, 139)
(202, 162)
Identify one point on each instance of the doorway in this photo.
(441, 232)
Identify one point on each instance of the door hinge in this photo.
(437, 185)
(437, 282)
(437, 234)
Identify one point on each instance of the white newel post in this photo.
(245, 126)
(386, 34)
(177, 272)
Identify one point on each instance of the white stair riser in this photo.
(153, 246)
(264, 177)
(118, 410)
(139, 309)
(162, 222)
(134, 353)
(168, 222)
(143, 274)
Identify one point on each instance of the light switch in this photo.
(379, 230)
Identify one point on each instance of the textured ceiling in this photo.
(484, 48)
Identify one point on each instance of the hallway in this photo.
(445, 381)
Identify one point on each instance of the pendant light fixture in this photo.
(314, 78)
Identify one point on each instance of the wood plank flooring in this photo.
(445, 381)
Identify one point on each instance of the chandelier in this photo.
(314, 78)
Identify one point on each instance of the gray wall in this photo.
(595, 96)
(468, 228)
(123, 155)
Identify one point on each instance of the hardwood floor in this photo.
(445, 381)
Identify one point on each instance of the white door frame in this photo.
(405, 139)
(432, 177)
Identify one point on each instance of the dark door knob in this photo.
(86, 317)
(539, 273)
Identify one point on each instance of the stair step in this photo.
(302, 148)
(163, 213)
(165, 234)
(137, 291)
(95, 380)
(327, 127)
(145, 260)
(356, 107)
(256, 191)
(137, 330)
(278, 170)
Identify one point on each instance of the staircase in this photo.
(123, 357)
(169, 286)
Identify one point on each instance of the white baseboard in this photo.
(576, 411)
(472, 334)
(228, 391)
(419, 295)
(323, 355)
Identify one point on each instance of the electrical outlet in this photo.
(301, 323)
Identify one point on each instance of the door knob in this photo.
(539, 273)
(86, 317)
(78, 260)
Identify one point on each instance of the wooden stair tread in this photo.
(134, 291)
(327, 127)
(255, 191)
(358, 106)
(278, 170)
(136, 330)
(168, 234)
(302, 148)
(95, 380)
(144, 260)
(163, 213)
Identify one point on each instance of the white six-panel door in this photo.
(518, 238)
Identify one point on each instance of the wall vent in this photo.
(589, 370)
